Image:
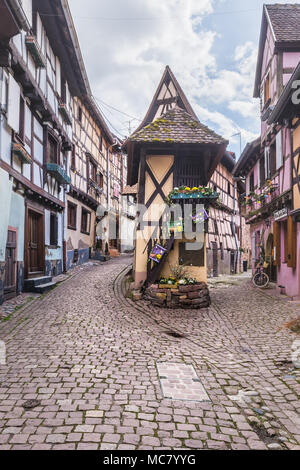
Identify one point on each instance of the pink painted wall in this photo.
(290, 59)
(288, 277)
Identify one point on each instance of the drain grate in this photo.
(179, 381)
(174, 334)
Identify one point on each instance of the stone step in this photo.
(41, 289)
(30, 284)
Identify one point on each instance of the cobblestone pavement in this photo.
(88, 356)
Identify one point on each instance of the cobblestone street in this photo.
(89, 356)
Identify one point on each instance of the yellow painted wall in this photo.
(159, 166)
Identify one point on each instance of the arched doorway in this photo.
(271, 270)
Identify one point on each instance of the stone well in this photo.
(193, 296)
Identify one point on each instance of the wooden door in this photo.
(35, 244)
(10, 279)
(215, 259)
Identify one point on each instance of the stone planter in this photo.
(193, 297)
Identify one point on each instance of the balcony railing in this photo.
(58, 173)
(35, 51)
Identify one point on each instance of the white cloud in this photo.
(125, 59)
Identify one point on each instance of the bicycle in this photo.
(260, 279)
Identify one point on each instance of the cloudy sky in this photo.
(211, 46)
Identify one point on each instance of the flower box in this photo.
(19, 150)
(196, 195)
(35, 51)
(58, 173)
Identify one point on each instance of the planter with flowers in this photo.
(196, 193)
(179, 291)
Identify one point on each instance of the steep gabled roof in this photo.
(283, 20)
(177, 126)
(249, 152)
(168, 94)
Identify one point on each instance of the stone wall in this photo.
(194, 296)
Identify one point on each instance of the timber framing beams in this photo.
(33, 191)
(83, 197)
(34, 93)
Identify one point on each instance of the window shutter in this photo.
(258, 173)
(267, 162)
(292, 239)
(277, 244)
(13, 109)
(279, 153)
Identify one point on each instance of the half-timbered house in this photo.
(267, 162)
(90, 187)
(224, 240)
(286, 114)
(170, 149)
(41, 71)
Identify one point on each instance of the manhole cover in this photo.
(30, 404)
(180, 382)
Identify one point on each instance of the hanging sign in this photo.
(157, 253)
(280, 214)
(200, 217)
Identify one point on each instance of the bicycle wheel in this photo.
(260, 280)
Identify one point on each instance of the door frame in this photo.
(12, 294)
(31, 207)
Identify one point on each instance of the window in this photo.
(63, 90)
(267, 94)
(100, 179)
(22, 119)
(4, 103)
(72, 215)
(79, 114)
(228, 188)
(252, 182)
(222, 251)
(191, 257)
(53, 230)
(101, 143)
(262, 171)
(85, 221)
(267, 162)
(73, 158)
(52, 156)
(273, 159)
(93, 171)
(216, 227)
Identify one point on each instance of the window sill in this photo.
(85, 233)
(72, 228)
